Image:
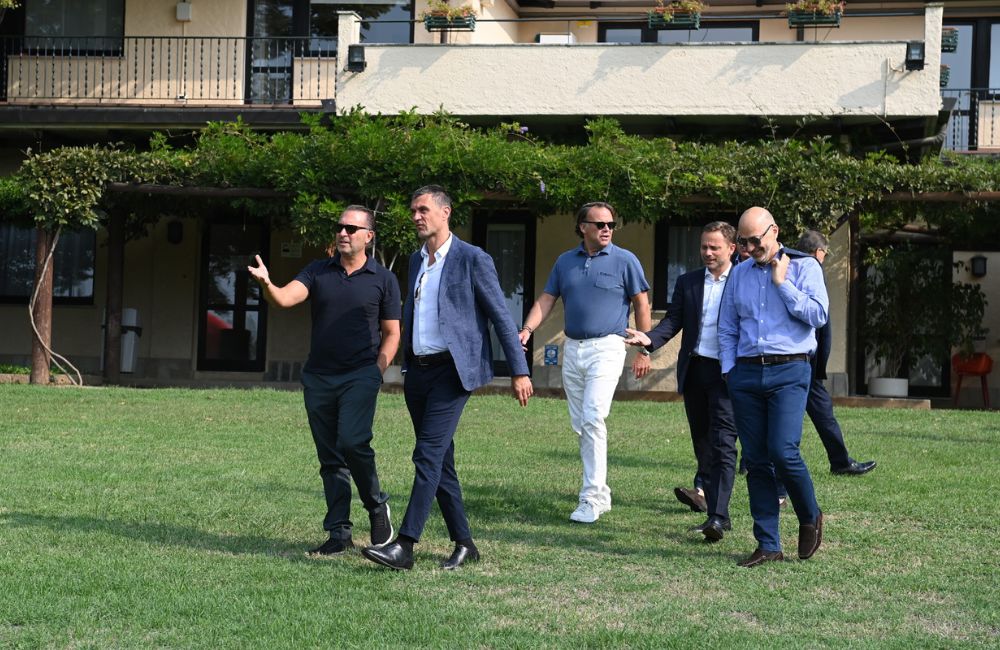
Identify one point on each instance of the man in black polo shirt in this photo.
(355, 334)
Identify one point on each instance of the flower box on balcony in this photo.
(949, 39)
(434, 23)
(666, 20)
(813, 19)
(945, 75)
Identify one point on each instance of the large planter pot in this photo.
(445, 24)
(974, 364)
(888, 387)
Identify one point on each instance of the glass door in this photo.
(232, 315)
(271, 52)
(509, 238)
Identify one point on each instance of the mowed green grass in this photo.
(178, 518)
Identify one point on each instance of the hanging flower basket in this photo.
(433, 23)
(813, 19)
(945, 75)
(949, 39)
(665, 20)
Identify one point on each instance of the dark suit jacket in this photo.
(684, 313)
(469, 299)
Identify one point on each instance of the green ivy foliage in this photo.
(379, 160)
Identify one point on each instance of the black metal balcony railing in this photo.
(975, 120)
(159, 69)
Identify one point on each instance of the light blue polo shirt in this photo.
(596, 290)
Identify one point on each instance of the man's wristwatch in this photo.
(644, 352)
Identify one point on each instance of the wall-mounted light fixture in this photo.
(356, 58)
(977, 264)
(915, 55)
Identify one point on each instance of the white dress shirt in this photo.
(427, 335)
(708, 338)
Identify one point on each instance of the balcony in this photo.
(172, 71)
(974, 126)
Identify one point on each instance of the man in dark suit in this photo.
(819, 405)
(694, 309)
(454, 295)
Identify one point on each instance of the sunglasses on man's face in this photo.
(601, 225)
(350, 228)
(744, 241)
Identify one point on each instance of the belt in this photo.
(431, 360)
(773, 359)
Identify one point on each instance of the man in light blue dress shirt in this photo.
(772, 306)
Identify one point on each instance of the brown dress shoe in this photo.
(691, 499)
(810, 537)
(761, 556)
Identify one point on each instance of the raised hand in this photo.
(259, 272)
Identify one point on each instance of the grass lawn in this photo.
(178, 518)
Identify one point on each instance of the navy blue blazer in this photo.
(683, 314)
(469, 299)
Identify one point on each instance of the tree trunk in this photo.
(113, 305)
(42, 312)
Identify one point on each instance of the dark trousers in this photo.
(698, 406)
(713, 432)
(819, 406)
(341, 409)
(435, 398)
(769, 402)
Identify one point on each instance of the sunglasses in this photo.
(744, 241)
(601, 225)
(350, 228)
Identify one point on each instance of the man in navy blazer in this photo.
(694, 311)
(454, 295)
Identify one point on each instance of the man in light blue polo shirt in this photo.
(772, 306)
(598, 282)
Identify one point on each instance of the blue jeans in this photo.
(769, 402)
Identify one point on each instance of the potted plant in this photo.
(815, 12)
(945, 75)
(441, 16)
(7, 4)
(949, 39)
(909, 300)
(676, 14)
(968, 307)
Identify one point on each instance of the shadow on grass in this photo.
(534, 519)
(157, 533)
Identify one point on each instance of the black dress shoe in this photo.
(760, 557)
(714, 529)
(856, 468)
(332, 547)
(691, 499)
(460, 556)
(810, 537)
(394, 556)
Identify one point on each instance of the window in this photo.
(378, 22)
(678, 251)
(94, 26)
(715, 32)
(73, 264)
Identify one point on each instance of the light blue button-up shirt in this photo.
(708, 338)
(758, 317)
(427, 335)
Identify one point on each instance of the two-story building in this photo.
(117, 70)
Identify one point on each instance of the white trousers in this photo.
(590, 372)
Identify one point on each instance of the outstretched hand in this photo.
(259, 272)
(637, 338)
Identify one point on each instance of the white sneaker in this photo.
(588, 512)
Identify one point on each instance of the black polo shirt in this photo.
(346, 313)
